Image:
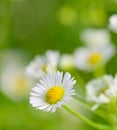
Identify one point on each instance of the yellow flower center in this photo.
(44, 68)
(54, 94)
(102, 90)
(21, 85)
(95, 58)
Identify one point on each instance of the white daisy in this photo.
(52, 91)
(88, 59)
(37, 68)
(13, 82)
(95, 37)
(42, 65)
(113, 23)
(102, 90)
(52, 58)
(66, 61)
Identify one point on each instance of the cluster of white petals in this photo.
(102, 90)
(42, 65)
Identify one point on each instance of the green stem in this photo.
(99, 71)
(96, 112)
(113, 104)
(87, 121)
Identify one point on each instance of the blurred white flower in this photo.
(14, 84)
(13, 57)
(42, 65)
(102, 90)
(52, 57)
(95, 37)
(66, 61)
(90, 58)
(113, 23)
(52, 91)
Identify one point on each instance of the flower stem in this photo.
(97, 112)
(87, 121)
(99, 71)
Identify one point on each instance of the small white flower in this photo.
(52, 57)
(102, 90)
(66, 61)
(13, 82)
(113, 23)
(42, 65)
(95, 37)
(52, 91)
(37, 67)
(88, 59)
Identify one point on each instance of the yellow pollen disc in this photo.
(44, 68)
(54, 94)
(102, 90)
(95, 58)
(20, 85)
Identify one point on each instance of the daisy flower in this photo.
(13, 82)
(66, 61)
(89, 59)
(113, 23)
(42, 65)
(102, 90)
(52, 91)
(52, 57)
(95, 37)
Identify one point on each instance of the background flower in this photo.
(43, 65)
(14, 83)
(66, 61)
(95, 37)
(90, 58)
(102, 90)
(113, 23)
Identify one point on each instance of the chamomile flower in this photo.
(13, 82)
(66, 61)
(42, 65)
(52, 57)
(52, 91)
(102, 90)
(89, 59)
(113, 23)
(95, 37)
